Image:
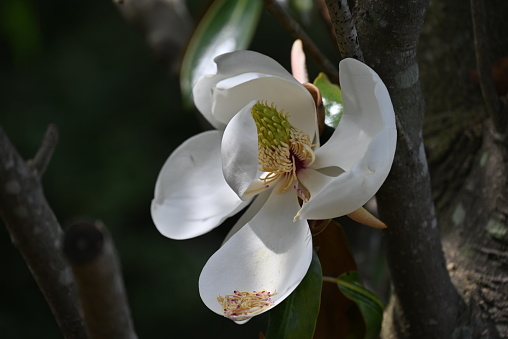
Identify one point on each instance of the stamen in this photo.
(243, 305)
(282, 149)
(302, 194)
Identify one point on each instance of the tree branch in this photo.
(298, 32)
(490, 97)
(345, 29)
(43, 156)
(96, 268)
(36, 233)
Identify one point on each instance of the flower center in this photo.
(283, 150)
(243, 305)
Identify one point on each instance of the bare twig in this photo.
(36, 233)
(43, 156)
(483, 61)
(98, 276)
(297, 31)
(345, 30)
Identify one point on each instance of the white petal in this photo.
(240, 151)
(191, 195)
(271, 253)
(230, 65)
(360, 151)
(253, 209)
(367, 111)
(288, 95)
(334, 196)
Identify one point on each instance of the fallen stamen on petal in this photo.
(297, 216)
(244, 305)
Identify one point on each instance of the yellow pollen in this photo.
(282, 148)
(243, 305)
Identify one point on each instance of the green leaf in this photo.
(369, 305)
(332, 100)
(296, 316)
(228, 25)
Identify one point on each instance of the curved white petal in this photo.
(271, 253)
(368, 110)
(257, 203)
(191, 195)
(240, 151)
(232, 95)
(230, 65)
(334, 196)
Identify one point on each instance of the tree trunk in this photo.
(425, 303)
(468, 159)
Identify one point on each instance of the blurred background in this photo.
(118, 108)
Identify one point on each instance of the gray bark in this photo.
(468, 154)
(97, 271)
(425, 304)
(36, 233)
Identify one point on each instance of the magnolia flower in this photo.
(266, 151)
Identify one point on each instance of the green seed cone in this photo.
(273, 125)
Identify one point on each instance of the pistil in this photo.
(283, 149)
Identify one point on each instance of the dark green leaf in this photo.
(369, 305)
(228, 25)
(332, 100)
(295, 317)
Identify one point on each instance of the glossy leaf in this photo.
(228, 25)
(296, 316)
(369, 305)
(332, 100)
